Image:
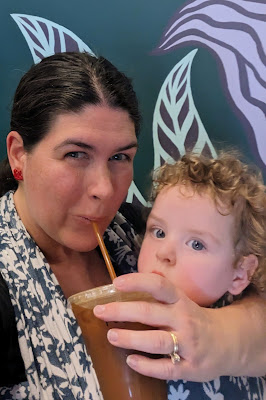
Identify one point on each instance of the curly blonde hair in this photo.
(234, 186)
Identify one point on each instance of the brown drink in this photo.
(117, 380)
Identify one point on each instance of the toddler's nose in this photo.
(166, 253)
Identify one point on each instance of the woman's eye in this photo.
(76, 154)
(121, 157)
(196, 245)
(158, 233)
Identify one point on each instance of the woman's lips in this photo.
(93, 219)
(89, 220)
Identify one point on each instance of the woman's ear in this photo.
(15, 150)
(244, 270)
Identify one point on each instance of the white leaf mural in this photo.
(177, 126)
(45, 37)
(134, 196)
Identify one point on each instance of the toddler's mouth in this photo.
(158, 273)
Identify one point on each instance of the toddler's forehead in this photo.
(189, 190)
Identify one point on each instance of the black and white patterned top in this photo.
(56, 363)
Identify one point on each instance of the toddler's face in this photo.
(188, 241)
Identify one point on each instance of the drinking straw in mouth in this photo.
(104, 251)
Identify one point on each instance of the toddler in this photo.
(206, 234)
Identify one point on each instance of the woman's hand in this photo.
(211, 342)
(197, 329)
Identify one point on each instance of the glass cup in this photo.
(117, 380)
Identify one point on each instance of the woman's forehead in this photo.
(93, 120)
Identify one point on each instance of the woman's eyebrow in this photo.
(86, 146)
(128, 146)
(75, 143)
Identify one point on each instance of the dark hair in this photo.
(61, 83)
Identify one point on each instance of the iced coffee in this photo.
(117, 380)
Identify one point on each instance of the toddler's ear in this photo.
(244, 270)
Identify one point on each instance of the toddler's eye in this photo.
(159, 233)
(196, 245)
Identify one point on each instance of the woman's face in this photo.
(80, 172)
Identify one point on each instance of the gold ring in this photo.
(175, 357)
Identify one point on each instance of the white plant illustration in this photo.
(175, 115)
(45, 37)
(134, 194)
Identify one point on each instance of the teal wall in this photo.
(128, 33)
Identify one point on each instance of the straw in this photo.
(105, 254)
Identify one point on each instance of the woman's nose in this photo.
(166, 253)
(101, 184)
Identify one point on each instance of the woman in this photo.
(71, 149)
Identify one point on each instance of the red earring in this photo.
(18, 175)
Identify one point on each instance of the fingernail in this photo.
(132, 361)
(99, 310)
(119, 282)
(112, 335)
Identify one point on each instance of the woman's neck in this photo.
(75, 270)
(81, 272)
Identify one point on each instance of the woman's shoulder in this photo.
(7, 209)
(123, 237)
(136, 215)
(12, 369)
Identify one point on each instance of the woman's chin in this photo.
(82, 246)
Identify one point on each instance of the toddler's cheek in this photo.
(143, 262)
